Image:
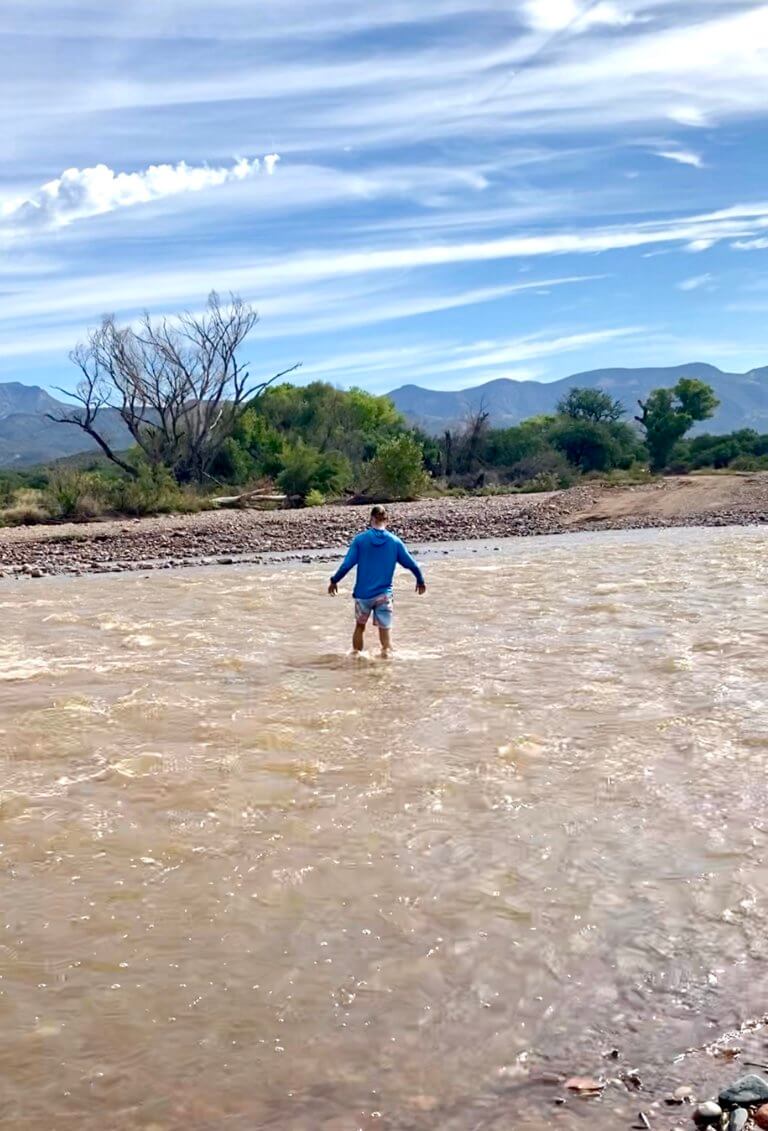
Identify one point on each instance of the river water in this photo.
(247, 881)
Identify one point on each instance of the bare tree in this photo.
(176, 384)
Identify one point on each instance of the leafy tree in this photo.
(593, 446)
(397, 470)
(305, 469)
(330, 419)
(668, 414)
(509, 446)
(591, 404)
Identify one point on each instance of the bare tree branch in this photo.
(177, 385)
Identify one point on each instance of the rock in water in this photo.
(745, 1092)
(708, 1112)
(738, 1120)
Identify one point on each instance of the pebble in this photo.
(761, 1117)
(682, 1095)
(748, 1090)
(738, 1120)
(708, 1112)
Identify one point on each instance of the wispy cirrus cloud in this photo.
(681, 156)
(696, 283)
(81, 193)
(457, 363)
(579, 15)
(750, 245)
(255, 275)
(433, 155)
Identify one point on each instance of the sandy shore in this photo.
(224, 536)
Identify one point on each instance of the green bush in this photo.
(397, 469)
(314, 498)
(73, 494)
(305, 469)
(234, 463)
(594, 446)
(547, 466)
(749, 463)
(153, 492)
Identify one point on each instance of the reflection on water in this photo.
(249, 882)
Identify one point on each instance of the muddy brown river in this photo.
(249, 882)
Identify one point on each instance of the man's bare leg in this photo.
(358, 638)
(385, 637)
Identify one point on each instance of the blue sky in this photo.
(436, 191)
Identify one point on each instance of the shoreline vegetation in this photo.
(214, 451)
(227, 536)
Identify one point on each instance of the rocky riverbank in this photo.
(224, 536)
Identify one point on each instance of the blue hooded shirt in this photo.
(376, 553)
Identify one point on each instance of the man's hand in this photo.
(333, 588)
(421, 588)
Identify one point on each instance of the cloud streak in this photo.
(695, 283)
(681, 156)
(576, 15)
(81, 193)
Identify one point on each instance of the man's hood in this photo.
(378, 537)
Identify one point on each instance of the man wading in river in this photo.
(375, 552)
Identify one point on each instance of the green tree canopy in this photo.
(591, 404)
(594, 446)
(668, 414)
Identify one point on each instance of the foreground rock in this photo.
(221, 537)
(745, 1092)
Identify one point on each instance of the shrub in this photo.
(73, 494)
(314, 498)
(749, 463)
(544, 481)
(27, 509)
(28, 515)
(305, 469)
(234, 463)
(397, 469)
(154, 492)
(547, 466)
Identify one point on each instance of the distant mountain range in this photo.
(743, 396)
(28, 437)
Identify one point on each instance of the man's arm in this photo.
(349, 561)
(405, 560)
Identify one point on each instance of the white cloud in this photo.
(695, 283)
(468, 362)
(750, 245)
(577, 15)
(681, 156)
(125, 291)
(688, 116)
(80, 193)
(419, 88)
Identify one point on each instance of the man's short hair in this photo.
(378, 514)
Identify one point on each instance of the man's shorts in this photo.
(380, 606)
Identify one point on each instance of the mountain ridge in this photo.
(28, 436)
(743, 396)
